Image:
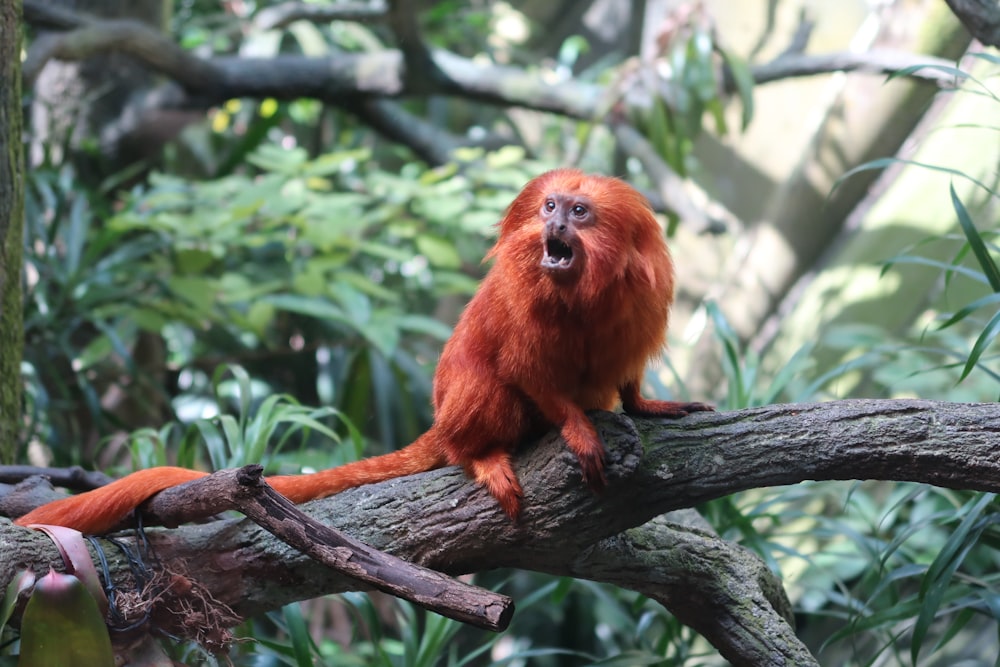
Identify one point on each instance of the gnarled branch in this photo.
(441, 520)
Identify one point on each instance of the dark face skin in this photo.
(563, 216)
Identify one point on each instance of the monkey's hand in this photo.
(634, 404)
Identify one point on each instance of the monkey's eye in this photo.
(579, 211)
(550, 205)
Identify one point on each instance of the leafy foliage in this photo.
(891, 573)
(677, 104)
(253, 268)
(307, 261)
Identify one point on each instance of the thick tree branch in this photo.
(980, 17)
(431, 143)
(441, 520)
(279, 16)
(44, 15)
(336, 77)
(139, 40)
(720, 589)
(362, 83)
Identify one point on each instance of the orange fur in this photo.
(574, 307)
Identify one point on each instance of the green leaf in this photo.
(659, 131)
(439, 251)
(63, 626)
(21, 582)
(298, 632)
(76, 234)
(312, 307)
(743, 78)
(937, 581)
(329, 164)
(508, 156)
(271, 157)
(882, 163)
(311, 281)
(423, 324)
(571, 49)
(715, 107)
(442, 208)
(985, 339)
(700, 73)
(438, 631)
(382, 332)
(304, 421)
(235, 444)
(357, 306)
(438, 174)
(215, 444)
(979, 248)
(194, 260)
(988, 300)
(260, 316)
(937, 264)
(196, 291)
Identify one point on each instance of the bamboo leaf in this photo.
(979, 248)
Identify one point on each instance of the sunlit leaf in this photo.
(509, 155)
(278, 159)
(937, 582)
(985, 339)
(439, 251)
(961, 314)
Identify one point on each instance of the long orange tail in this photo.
(101, 510)
(422, 455)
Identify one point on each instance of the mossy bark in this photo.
(442, 520)
(11, 227)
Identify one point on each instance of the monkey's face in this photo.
(581, 235)
(564, 216)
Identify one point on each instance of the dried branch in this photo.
(244, 490)
(276, 514)
(877, 61)
(74, 477)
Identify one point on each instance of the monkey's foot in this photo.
(494, 471)
(592, 467)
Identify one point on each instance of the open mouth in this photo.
(558, 255)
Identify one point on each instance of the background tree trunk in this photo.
(11, 227)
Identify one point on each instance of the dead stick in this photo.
(245, 490)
